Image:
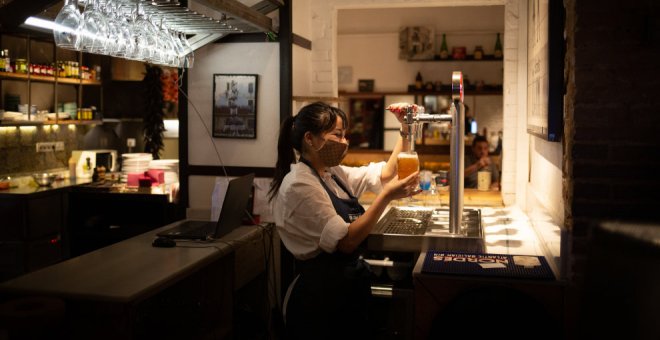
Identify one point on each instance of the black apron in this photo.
(331, 297)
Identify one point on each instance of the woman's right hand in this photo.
(400, 110)
(401, 188)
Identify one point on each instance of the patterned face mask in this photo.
(332, 152)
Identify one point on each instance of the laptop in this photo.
(231, 215)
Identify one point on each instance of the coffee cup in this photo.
(483, 180)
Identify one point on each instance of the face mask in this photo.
(332, 152)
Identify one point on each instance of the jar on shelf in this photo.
(478, 53)
(21, 66)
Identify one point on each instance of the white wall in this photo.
(302, 57)
(235, 58)
(232, 58)
(360, 51)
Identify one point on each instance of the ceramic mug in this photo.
(483, 180)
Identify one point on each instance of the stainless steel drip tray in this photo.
(419, 229)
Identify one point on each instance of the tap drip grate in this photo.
(408, 222)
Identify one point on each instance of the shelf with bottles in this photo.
(18, 123)
(38, 63)
(459, 53)
(48, 79)
(468, 57)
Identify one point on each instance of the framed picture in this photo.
(366, 85)
(545, 69)
(416, 43)
(235, 105)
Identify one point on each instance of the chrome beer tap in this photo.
(416, 119)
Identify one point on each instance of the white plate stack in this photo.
(134, 163)
(170, 168)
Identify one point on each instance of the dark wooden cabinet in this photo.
(99, 219)
(365, 120)
(31, 232)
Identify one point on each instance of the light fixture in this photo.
(42, 23)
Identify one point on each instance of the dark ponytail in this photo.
(285, 156)
(316, 118)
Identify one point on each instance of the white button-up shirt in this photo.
(305, 217)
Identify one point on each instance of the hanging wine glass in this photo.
(159, 54)
(94, 29)
(145, 38)
(125, 41)
(115, 40)
(190, 54)
(67, 31)
(169, 49)
(180, 51)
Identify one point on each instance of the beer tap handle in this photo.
(457, 86)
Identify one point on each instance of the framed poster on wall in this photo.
(545, 69)
(235, 105)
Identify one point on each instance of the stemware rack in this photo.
(203, 16)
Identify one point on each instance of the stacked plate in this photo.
(169, 166)
(134, 163)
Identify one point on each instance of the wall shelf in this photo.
(469, 57)
(469, 91)
(47, 79)
(9, 123)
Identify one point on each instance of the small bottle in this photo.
(498, 48)
(87, 168)
(95, 175)
(7, 61)
(444, 51)
(2, 61)
(72, 168)
(419, 83)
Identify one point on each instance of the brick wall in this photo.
(612, 116)
(612, 124)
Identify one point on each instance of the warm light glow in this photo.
(8, 129)
(28, 129)
(72, 127)
(171, 128)
(54, 128)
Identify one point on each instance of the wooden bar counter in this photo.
(134, 290)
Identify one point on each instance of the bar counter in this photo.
(109, 292)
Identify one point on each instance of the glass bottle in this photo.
(7, 61)
(498, 48)
(2, 61)
(444, 51)
(419, 83)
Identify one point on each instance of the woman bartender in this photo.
(322, 224)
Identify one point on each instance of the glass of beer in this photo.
(407, 163)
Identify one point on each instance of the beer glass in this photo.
(407, 163)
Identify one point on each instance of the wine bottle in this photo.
(498, 47)
(418, 81)
(444, 51)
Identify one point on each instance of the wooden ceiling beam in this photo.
(240, 12)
